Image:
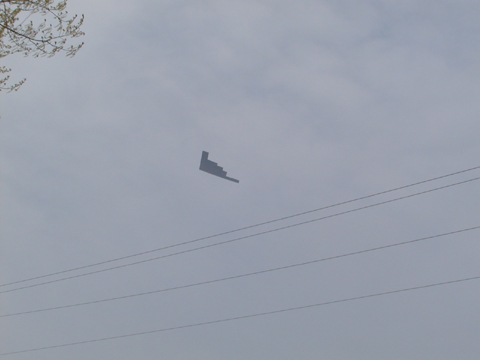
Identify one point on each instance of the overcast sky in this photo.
(308, 103)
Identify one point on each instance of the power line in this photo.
(239, 238)
(242, 228)
(243, 316)
(243, 275)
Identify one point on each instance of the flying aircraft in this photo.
(213, 168)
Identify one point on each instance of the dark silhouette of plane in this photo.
(213, 168)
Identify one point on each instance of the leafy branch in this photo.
(20, 33)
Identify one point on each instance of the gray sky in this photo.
(307, 103)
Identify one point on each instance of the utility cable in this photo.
(243, 228)
(240, 238)
(242, 275)
(243, 316)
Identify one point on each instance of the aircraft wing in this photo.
(213, 168)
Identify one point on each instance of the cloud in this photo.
(309, 103)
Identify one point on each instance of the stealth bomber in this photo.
(213, 168)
